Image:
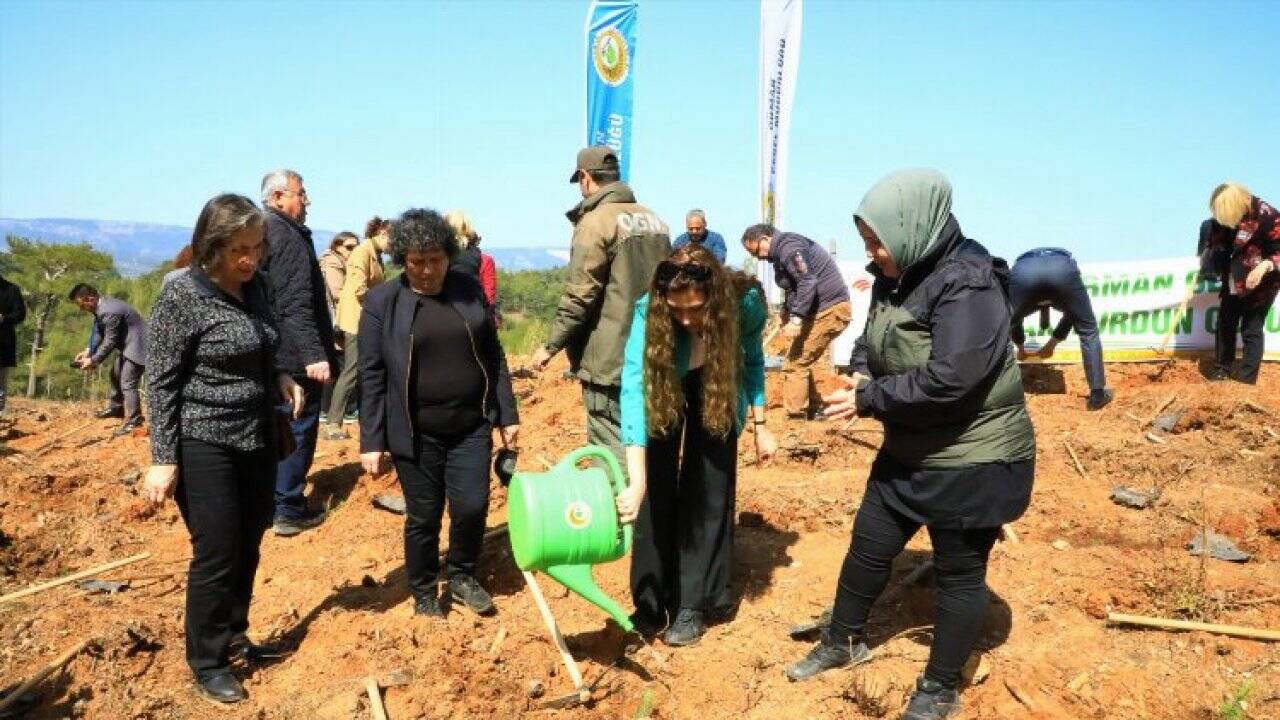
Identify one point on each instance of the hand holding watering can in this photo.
(628, 501)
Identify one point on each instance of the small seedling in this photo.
(646, 706)
(1236, 707)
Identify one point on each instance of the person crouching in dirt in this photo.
(1250, 281)
(693, 367)
(936, 367)
(1049, 277)
(433, 384)
(211, 390)
(117, 326)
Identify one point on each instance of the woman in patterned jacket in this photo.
(211, 387)
(1252, 237)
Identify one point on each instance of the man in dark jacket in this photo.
(1046, 278)
(12, 312)
(117, 327)
(816, 308)
(617, 244)
(298, 297)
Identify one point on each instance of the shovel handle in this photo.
(570, 664)
(375, 699)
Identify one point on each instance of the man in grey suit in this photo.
(118, 327)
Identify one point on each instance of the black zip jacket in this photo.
(956, 302)
(808, 275)
(14, 311)
(386, 343)
(298, 296)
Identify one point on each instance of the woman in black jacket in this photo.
(12, 312)
(936, 367)
(211, 387)
(433, 384)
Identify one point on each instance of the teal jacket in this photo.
(752, 316)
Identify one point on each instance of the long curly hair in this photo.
(722, 364)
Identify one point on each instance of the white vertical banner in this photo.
(780, 22)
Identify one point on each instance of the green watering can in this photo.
(564, 520)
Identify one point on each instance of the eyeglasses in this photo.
(668, 271)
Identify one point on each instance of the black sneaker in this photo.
(290, 526)
(1099, 399)
(467, 591)
(117, 412)
(1218, 374)
(722, 614)
(647, 625)
(825, 656)
(247, 651)
(128, 427)
(428, 606)
(221, 687)
(931, 701)
(687, 629)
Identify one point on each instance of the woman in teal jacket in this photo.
(694, 365)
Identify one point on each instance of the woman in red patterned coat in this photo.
(1252, 236)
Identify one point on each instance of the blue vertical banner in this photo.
(611, 56)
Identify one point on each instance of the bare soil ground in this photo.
(339, 592)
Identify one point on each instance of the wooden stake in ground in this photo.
(1177, 316)
(1164, 624)
(73, 577)
(1079, 468)
(44, 672)
(496, 646)
(570, 664)
(1010, 535)
(375, 699)
(47, 446)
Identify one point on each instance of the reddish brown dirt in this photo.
(339, 592)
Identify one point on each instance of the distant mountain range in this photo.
(138, 247)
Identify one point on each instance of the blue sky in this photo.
(1096, 126)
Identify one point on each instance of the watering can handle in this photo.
(617, 477)
(599, 453)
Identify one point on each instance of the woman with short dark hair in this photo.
(433, 384)
(211, 387)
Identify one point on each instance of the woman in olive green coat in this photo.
(936, 366)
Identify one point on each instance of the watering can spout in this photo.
(578, 579)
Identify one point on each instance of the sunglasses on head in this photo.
(668, 271)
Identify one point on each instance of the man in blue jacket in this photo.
(695, 225)
(117, 327)
(815, 309)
